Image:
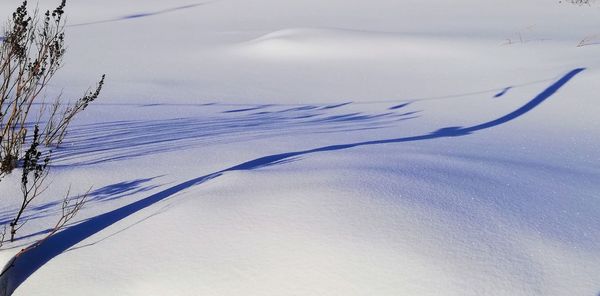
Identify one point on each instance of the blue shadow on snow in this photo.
(141, 15)
(31, 259)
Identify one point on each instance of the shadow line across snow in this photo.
(141, 15)
(31, 259)
(118, 140)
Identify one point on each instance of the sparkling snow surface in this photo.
(336, 147)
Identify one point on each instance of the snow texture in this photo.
(308, 147)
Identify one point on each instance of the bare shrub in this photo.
(3, 235)
(589, 40)
(579, 2)
(31, 53)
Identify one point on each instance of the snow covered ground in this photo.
(308, 147)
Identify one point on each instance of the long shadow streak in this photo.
(140, 15)
(27, 262)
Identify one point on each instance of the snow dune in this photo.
(342, 45)
(324, 148)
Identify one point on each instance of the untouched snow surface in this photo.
(307, 147)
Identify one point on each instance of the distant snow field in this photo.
(308, 147)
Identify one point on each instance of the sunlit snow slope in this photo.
(336, 147)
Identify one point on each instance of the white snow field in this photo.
(331, 147)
